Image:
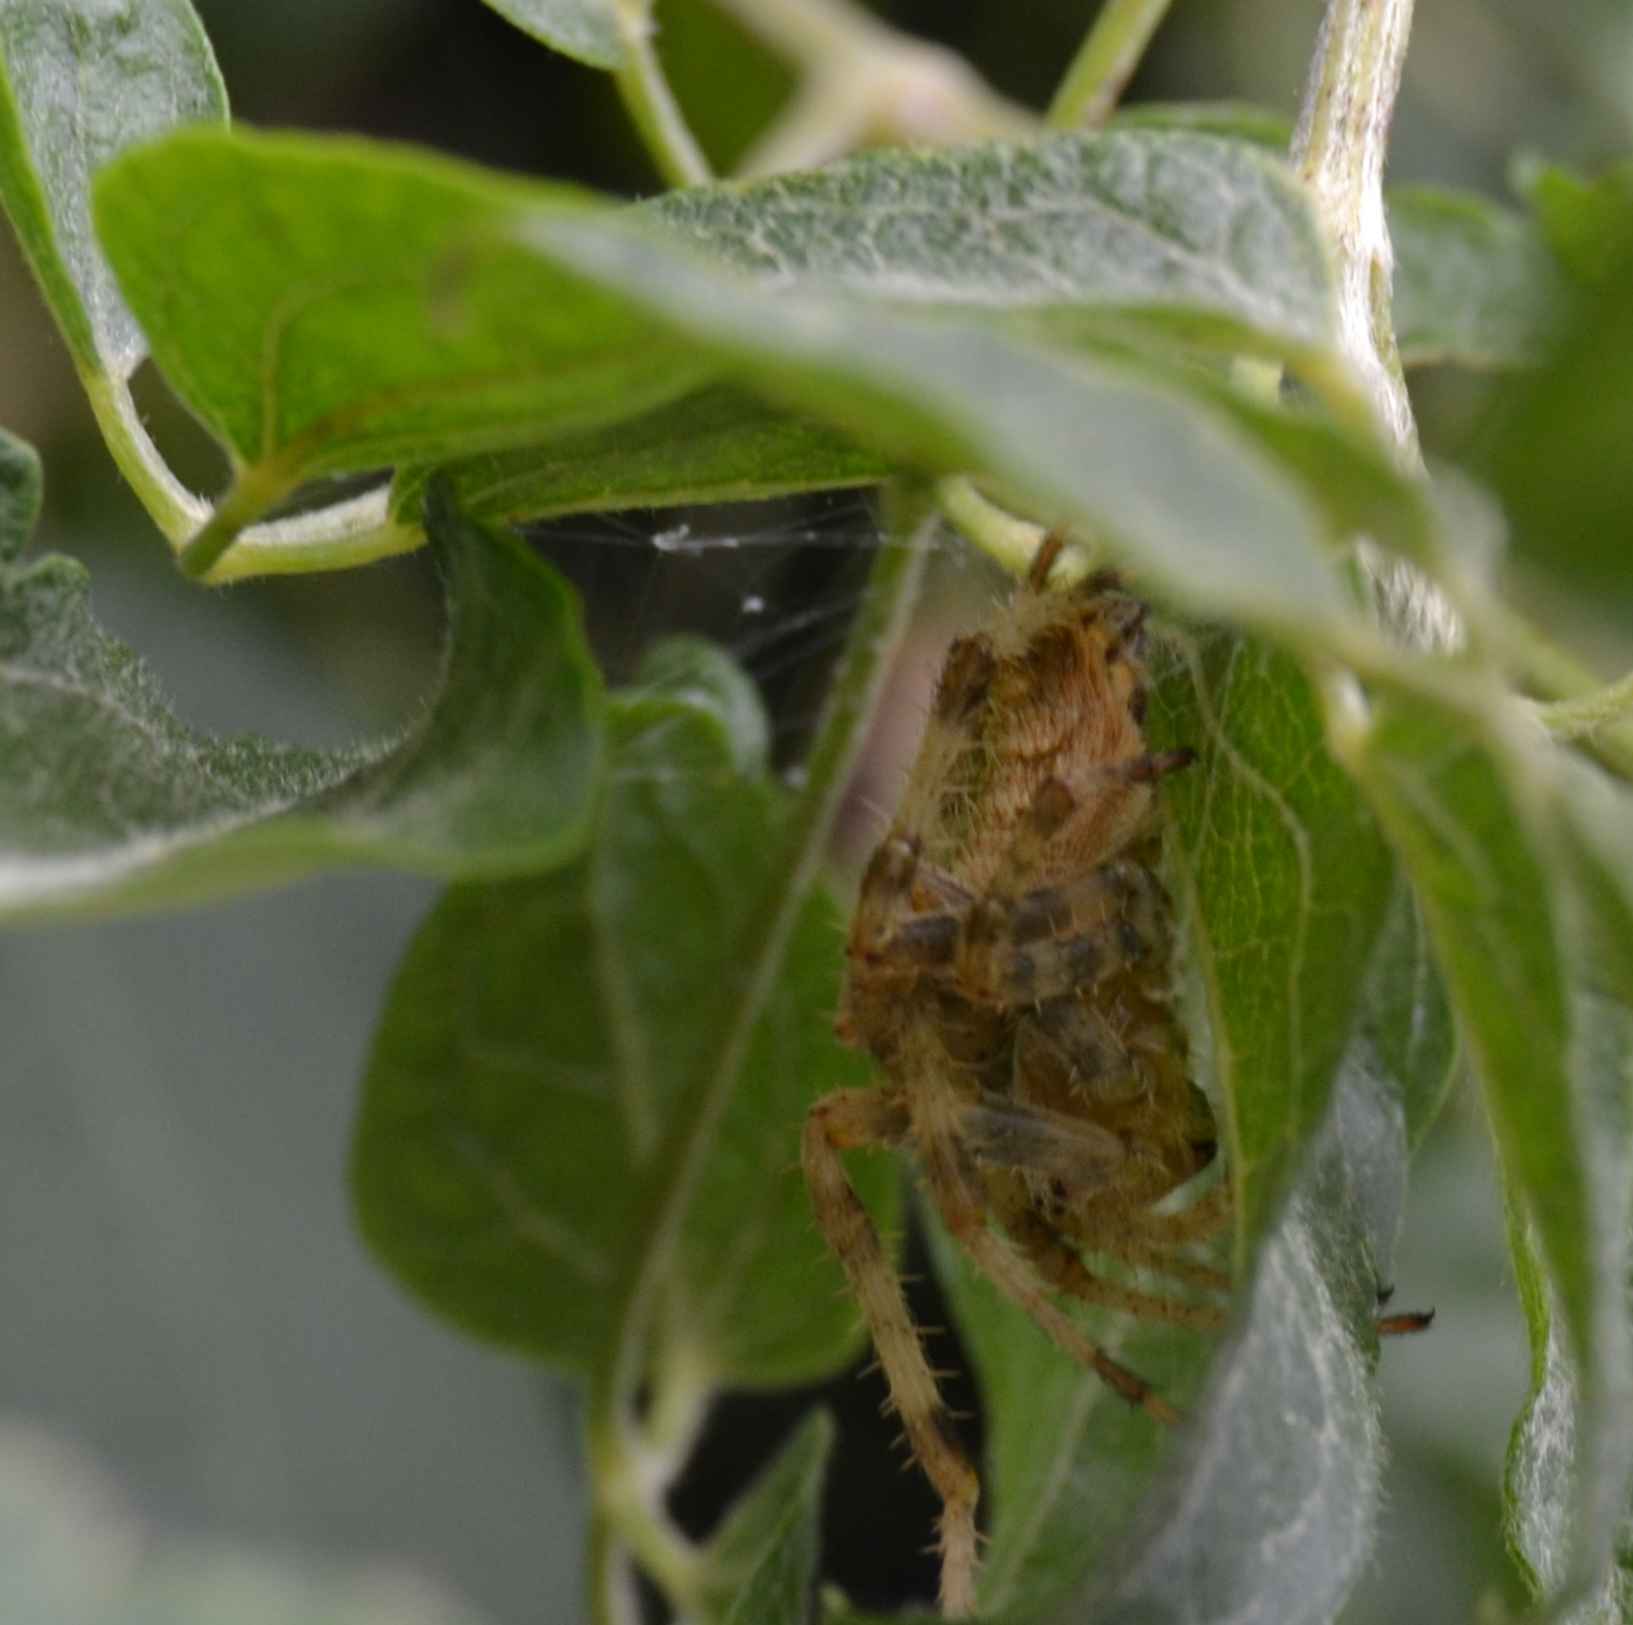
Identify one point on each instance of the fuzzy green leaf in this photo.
(1076, 232)
(79, 83)
(1132, 219)
(1288, 882)
(109, 803)
(1475, 285)
(1457, 801)
(583, 29)
(1568, 1490)
(763, 1560)
(541, 1035)
(720, 445)
(1482, 818)
(384, 314)
(1188, 494)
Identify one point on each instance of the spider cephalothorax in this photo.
(1008, 967)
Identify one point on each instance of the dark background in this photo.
(185, 1298)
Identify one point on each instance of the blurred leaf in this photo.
(586, 30)
(1076, 233)
(1465, 804)
(538, 1040)
(1208, 514)
(80, 82)
(764, 1558)
(720, 445)
(74, 1553)
(1586, 222)
(109, 803)
(1133, 218)
(1406, 1030)
(1555, 448)
(1232, 121)
(705, 677)
(1568, 1490)
(1475, 285)
(385, 315)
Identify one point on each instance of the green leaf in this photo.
(1458, 800)
(1131, 219)
(1407, 1031)
(504, 1157)
(1076, 234)
(1490, 832)
(586, 30)
(1585, 222)
(763, 1559)
(384, 316)
(705, 677)
(720, 445)
(1568, 1490)
(1297, 1023)
(1092, 1502)
(75, 1553)
(1554, 447)
(1208, 513)
(1568, 1487)
(1475, 285)
(79, 83)
(1288, 883)
(1267, 1504)
(109, 803)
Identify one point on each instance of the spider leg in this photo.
(954, 1183)
(1074, 1160)
(873, 1117)
(1058, 1262)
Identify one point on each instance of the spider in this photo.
(1008, 969)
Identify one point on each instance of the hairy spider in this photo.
(1008, 968)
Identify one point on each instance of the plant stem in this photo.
(1005, 538)
(861, 81)
(1599, 719)
(1339, 150)
(650, 102)
(629, 1470)
(1105, 62)
(170, 505)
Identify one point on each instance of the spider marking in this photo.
(1008, 969)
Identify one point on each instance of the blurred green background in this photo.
(187, 1301)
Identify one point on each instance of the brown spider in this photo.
(1008, 968)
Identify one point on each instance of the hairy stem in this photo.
(1339, 151)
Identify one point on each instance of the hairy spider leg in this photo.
(854, 1119)
(955, 1186)
(1058, 1262)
